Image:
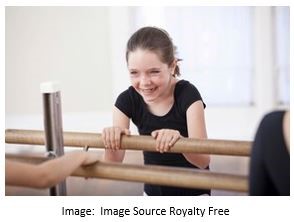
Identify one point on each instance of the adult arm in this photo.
(48, 173)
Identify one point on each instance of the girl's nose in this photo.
(145, 80)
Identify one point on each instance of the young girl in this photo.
(159, 105)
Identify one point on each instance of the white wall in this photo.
(69, 44)
(84, 48)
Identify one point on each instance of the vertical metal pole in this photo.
(53, 127)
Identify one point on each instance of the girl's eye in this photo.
(133, 73)
(155, 72)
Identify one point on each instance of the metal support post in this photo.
(53, 127)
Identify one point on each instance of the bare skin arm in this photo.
(112, 136)
(197, 130)
(48, 173)
(166, 138)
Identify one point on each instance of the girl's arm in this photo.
(197, 129)
(112, 136)
(46, 174)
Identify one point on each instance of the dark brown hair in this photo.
(156, 40)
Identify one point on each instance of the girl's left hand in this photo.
(165, 139)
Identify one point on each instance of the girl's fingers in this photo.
(159, 141)
(173, 141)
(165, 139)
(112, 137)
(154, 134)
(107, 139)
(168, 143)
(117, 137)
(127, 132)
(104, 138)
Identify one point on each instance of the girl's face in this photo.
(149, 76)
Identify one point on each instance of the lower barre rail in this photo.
(147, 143)
(158, 175)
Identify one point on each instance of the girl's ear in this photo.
(173, 66)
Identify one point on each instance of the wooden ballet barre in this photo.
(134, 142)
(151, 174)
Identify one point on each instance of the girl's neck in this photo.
(163, 106)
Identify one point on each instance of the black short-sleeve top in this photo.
(132, 105)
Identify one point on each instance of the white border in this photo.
(49, 208)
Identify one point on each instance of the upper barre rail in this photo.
(134, 142)
(160, 175)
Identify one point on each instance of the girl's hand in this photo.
(165, 139)
(111, 137)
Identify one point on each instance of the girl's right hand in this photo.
(111, 137)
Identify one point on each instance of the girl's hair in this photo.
(156, 40)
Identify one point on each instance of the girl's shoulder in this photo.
(184, 87)
(129, 92)
(130, 95)
(186, 94)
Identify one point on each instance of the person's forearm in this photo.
(54, 171)
(200, 160)
(114, 155)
